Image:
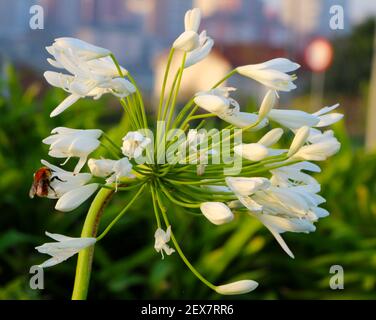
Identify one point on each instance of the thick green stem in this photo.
(85, 257)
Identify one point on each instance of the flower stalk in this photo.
(85, 257)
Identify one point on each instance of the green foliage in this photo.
(352, 60)
(125, 263)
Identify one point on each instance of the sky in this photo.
(359, 9)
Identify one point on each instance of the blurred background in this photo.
(338, 59)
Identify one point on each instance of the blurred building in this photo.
(139, 31)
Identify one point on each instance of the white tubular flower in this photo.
(292, 175)
(122, 168)
(293, 208)
(74, 198)
(217, 101)
(293, 119)
(189, 39)
(277, 225)
(71, 189)
(81, 48)
(256, 151)
(64, 248)
(323, 145)
(245, 119)
(251, 151)
(134, 144)
(260, 150)
(63, 181)
(68, 143)
(161, 239)
(267, 104)
(93, 72)
(201, 52)
(244, 187)
(272, 137)
(326, 118)
(216, 212)
(272, 73)
(101, 167)
(238, 287)
(113, 170)
(299, 140)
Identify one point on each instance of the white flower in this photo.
(295, 119)
(300, 139)
(92, 72)
(134, 144)
(121, 169)
(113, 170)
(189, 39)
(260, 150)
(326, 118)
(63, 181)
(83, 49)
(201, 52)
(244, 187)
(161, 239)
(68, 143)
(216, 212)
(245, 119)
(74, 198)
(272, 73)
(251, 151)
(267, 104)
(217, 101)
(101, 167)
(272, 137)
(71, 189)
(64, 248)
(238, 287)
(277, 225)
(293, 208)
(292, 175)
(323, 145)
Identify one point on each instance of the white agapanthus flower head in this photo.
(64, 248)
(161, 239)
(221, 173)
(71, 143)
(134, 144)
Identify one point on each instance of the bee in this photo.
(42, 182)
